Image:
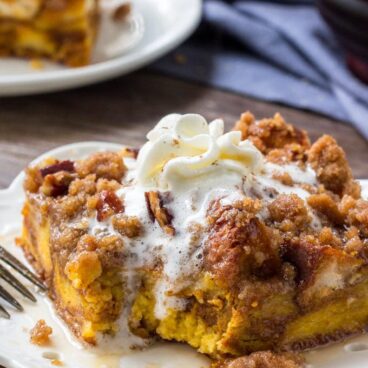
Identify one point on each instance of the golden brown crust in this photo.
(127, 226)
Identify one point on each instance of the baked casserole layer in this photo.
(277, 270)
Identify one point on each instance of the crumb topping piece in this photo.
(284, 178)
(57, 184)
(274, 137)
(329, 161)
(129, 226)
(40, 333)
(108, 165)
(289, 212)
(51, 175)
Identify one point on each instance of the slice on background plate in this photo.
(95, 40)
(246, 242)
(59, 30)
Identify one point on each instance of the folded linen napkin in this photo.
(278, 51)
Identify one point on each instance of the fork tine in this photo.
(18, 266)
(10, 299)
(4, 314)
(11, 280)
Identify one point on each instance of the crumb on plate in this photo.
(57, 363)
(37, 64)
(40, 333)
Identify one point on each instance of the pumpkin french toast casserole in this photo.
(61, 30)
(234, 243)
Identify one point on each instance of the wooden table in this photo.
(123, 110)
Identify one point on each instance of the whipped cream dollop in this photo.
(185, 146)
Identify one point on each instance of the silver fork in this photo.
(5, 275)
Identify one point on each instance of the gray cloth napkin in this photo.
(278, 51)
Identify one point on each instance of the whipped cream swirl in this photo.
(182, 147)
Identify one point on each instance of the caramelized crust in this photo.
(239, 244)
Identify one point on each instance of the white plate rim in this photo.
(134, 59)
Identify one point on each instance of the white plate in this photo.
(155, 28)
(17, 352)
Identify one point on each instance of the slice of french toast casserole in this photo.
(235, 242)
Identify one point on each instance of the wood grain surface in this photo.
(124, 109)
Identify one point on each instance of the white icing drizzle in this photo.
(194, 163)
